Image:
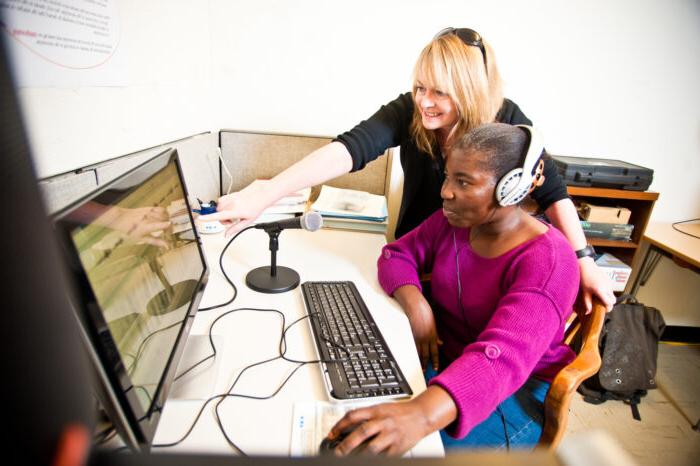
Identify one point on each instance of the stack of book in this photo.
(605, 222)
(349, 209)
(614, 231)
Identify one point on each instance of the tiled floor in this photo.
(664, 436)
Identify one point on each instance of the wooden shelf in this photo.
(612, 243)
(576, 191)
(640, 204)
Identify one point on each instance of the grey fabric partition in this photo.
(251, 155)
(198, 158)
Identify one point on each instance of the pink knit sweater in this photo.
(501, 319)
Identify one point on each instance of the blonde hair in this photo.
(457, 69)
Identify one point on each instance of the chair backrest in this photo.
(565, 384)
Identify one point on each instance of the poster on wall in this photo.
(63, 43)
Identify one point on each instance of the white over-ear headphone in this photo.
(517, 183)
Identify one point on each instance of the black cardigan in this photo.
(423, 176)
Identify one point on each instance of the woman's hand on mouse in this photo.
(390, 429)
(394, 428)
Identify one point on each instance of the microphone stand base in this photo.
(261, 279)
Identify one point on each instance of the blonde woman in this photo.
(456, 87)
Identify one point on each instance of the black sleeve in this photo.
(510, 113)
(553, 189)
(386, 128)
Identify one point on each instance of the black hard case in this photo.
(603, 173)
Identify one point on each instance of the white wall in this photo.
(600, 78)
(166, 50)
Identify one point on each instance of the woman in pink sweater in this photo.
(502, 286)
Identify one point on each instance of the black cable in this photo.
(283, 352)
(222, 396)
(685, 232)
(228, 279)
(235, 382)
(201, 410)
(282, 349)
(252, 397)
(235, 294)
(211, 342)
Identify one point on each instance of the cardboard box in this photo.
(618, 271)
(600, 214)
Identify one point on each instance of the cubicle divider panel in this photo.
(253, 155)
(198, 158)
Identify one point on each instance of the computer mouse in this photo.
(327, 445)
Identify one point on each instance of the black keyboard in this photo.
(357, 360)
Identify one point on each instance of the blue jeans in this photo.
(516, 422)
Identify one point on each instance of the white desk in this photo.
(264, 427)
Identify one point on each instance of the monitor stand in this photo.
(200, 382)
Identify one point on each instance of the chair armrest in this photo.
(564, 385)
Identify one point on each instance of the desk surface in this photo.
(244, 337)
(665, 237)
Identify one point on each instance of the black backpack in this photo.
(628, 348)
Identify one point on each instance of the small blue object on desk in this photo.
(206, 208)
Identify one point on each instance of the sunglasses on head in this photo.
(467, 36)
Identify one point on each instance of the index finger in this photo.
(237, 226)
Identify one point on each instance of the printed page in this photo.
(312, 420)
(336, 202)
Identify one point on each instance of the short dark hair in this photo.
(502, 147)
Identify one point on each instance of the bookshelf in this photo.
(640, 204)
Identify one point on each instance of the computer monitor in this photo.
(134, 253)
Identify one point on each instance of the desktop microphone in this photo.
(310, 221)
(274, 278)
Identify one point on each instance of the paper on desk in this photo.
(312, 420)
(349, 203)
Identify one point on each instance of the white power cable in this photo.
(223, 164)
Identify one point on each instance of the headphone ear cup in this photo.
(506, 186)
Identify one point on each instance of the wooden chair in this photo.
(565, 384)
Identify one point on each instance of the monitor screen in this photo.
(137, 260)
